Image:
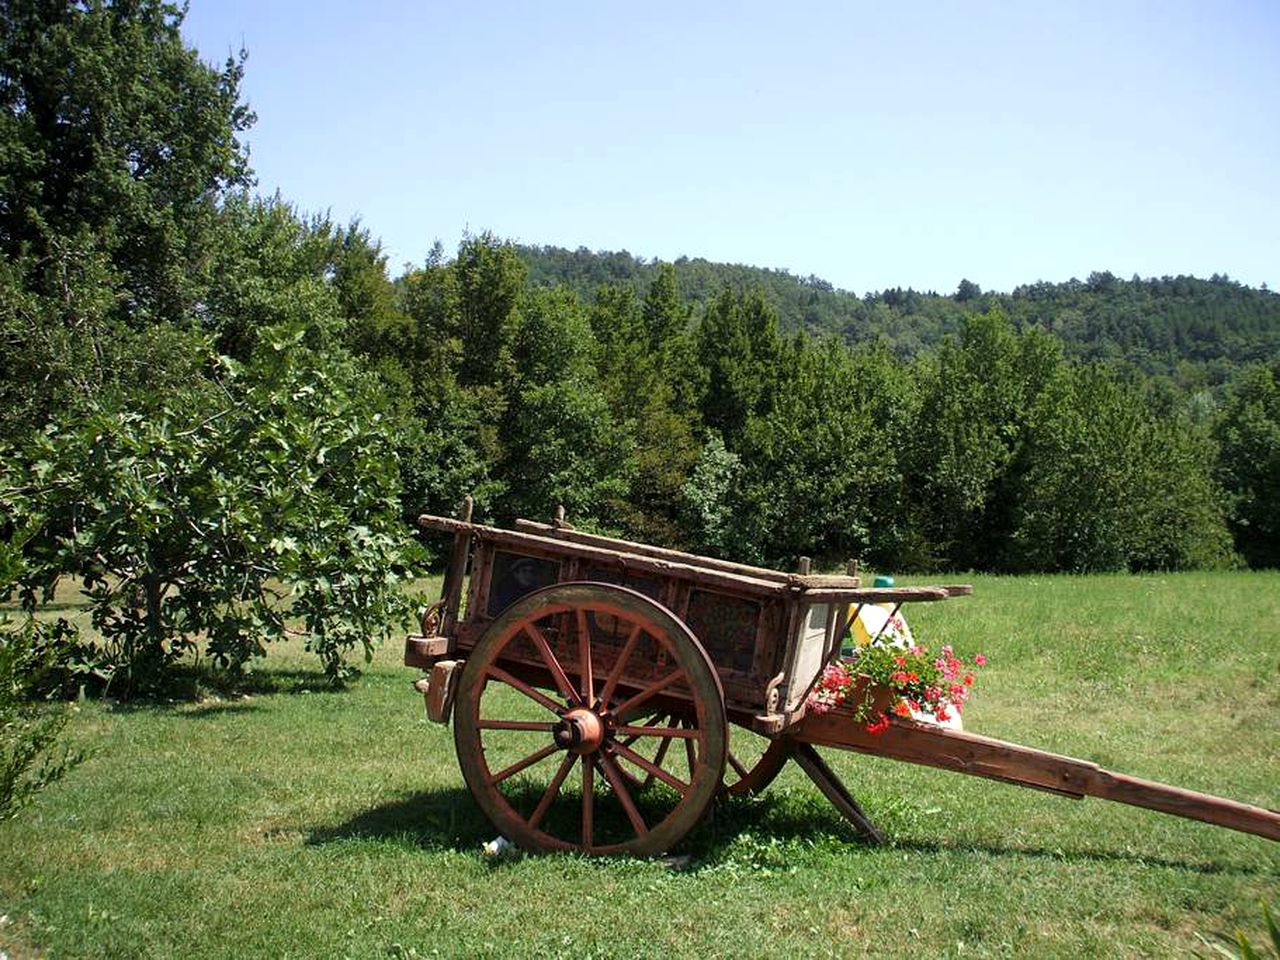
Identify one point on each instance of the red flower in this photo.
(980, 660)
(878, 726)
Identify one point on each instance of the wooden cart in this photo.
(604, 692)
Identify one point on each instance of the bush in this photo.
(260, 502)
(29, 733)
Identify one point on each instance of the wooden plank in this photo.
(570, 535)
(742, 584)
(875, 594)
(1187, 803)
(951, 750)
(825, 581)
(452, 592)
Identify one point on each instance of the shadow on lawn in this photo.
(1082, 856)
(197, 692)
(449, 819)
(435, 819)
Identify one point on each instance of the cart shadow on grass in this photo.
(448, 819)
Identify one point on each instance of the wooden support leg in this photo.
(835, 791)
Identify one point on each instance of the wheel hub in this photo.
(580, 731)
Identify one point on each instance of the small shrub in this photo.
(29, 732)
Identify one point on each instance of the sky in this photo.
(874, 145)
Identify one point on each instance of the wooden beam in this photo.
(645, 550)
(750, 586)
(1027, 767)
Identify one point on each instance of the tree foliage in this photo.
(1249, 465)
(263, 502)
(118, 144)
(1182, 327)
(184, 427)
(31, 756)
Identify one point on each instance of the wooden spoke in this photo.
(657, 761)
(616, 673)
(527, 762)
(553, 788)
(736, 764)
(535, 695)
(651, 768)
(586, 681)
(549, 658)
(632, 738)
(618, 782)
(650, 691)
(690, 755)
(588, 801)
(534, 725)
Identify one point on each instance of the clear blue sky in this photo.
(872, 144)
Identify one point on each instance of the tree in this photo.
(119, 145)
(665, 313)
(640, 359)
(261, 502)
(455, 368)
(1248, 434)
(965, 440)
(559, 439)
(738, 345)
(815, 464)
(707, 498)
(490, 280)
(1111, 486)
(119, 142)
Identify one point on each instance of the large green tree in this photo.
(1112, 485)
(261, 501)
(118, 142)
(1249, 462)
(560, 442)
(117, 145)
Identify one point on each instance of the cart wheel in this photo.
(589, 718)
(754, 761)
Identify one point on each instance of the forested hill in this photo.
(1155, 324)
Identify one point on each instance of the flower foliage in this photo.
(919, 683)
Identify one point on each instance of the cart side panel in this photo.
(740, 631)
(514, 575)
(726, 626)
(741, 635)
(651, 587)
(503, 574)
(813, 643)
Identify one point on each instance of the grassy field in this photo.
(295, 822)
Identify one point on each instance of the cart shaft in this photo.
(1025, 766)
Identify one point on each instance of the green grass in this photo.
(308, 823)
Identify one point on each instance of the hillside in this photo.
(1156, 324)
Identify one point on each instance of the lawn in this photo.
(295, 821)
